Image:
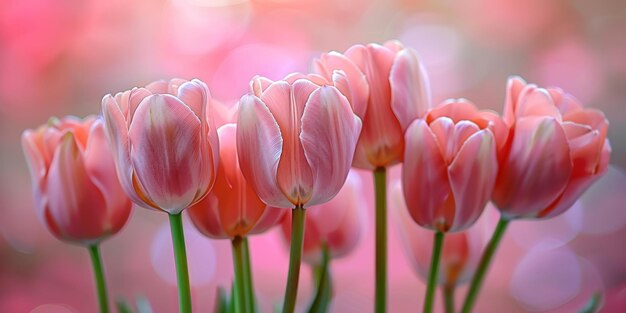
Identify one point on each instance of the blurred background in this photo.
(60, 57)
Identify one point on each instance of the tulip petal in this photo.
(32, 146)
(286, 103)
(472, 176)
(514, 87)
(593, 118)
(271, 217)
(425, 178)
(117, 134)
(258, 84)
(358, 91)
(565, 102)
(538, 103)
(239, 206)
(166, 139)
(205, 216)
(100, 167)
(330, 131)
(74, 202)
(538, 164)
(410, 90)
(578, 185)
(394, 45)
(259, 147)
(135, 96)
(454, 109)
(195, 95)
(443, 129)
(159, 86)
(381, 141)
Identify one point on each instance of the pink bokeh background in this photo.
(60, 57)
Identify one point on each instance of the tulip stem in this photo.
(380, 186)
(240, 275)
(180, 257)
(485, 260)
(295, 257)
(448, 298)
(434, 272)
(248, 275)
(96, 262)
(322, 295)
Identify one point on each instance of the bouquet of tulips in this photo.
(284, 156)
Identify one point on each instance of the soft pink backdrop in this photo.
(60, 57)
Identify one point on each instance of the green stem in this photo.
(380, 186)
(96, 262)
(448, 298)
(295, 257)
(485, 260)
(180, 257)
(240, 275)
(248, 276)
(434, 272)
(320, 303)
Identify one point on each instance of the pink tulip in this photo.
(338, 224)
(556, 151)
(388, 88)
(450, 165)
(296, 139)
(166, 148)
(76, 189)
(232, 208)
(461, 251)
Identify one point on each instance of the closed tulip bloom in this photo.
(295, 140)
(232, 208)
(557, 150)
(388, 88)
(338, 224)
(461, 251)
(165, 146)
(450, 165)
(77, 193)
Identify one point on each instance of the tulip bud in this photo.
(232, 208)
(296, 139)
(450, 165)
(165, 146)
(556, 151)
(77, 193)
(387, 87)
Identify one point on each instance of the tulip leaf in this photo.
(123, 306)
(323, 283)
(594, 304)
(221, 301)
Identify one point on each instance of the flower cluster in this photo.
(292, 145)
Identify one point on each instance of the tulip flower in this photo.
(451, 164)
(295, 142)
(460, 253)
(388, 88)
(77, 193)
(166, 152)
(232, 210)
(555, 151)
(450, 167)
(332, 231)
(558, 149)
